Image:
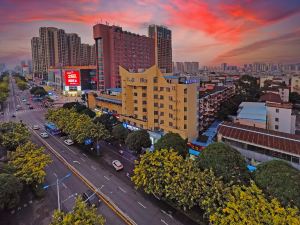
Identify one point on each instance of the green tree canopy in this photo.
(166, 174)
(13, 134)
(225, 162)
(107, 120)
(248, 205)
(294, 97)
(279, 179)
(120, 133)
(38, 91)
(10, 189)
(137, 140)
(80, 215)
(172, 141)
(30, 162)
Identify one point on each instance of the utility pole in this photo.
(58, 197)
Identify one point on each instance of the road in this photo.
(116, 186)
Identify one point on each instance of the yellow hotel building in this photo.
(152, 101)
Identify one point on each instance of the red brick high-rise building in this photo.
(114, 48)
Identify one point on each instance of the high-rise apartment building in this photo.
(55, 48)
(114, 48)
(87, 55)
(163, 46)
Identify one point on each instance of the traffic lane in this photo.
(70, 186)
(105, 164)
(79, 160)
(124, 196)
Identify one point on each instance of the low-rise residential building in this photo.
(252, 114)
(153, 101)
(295, 84)
(210, 99)
(275, 116)
(260, 145)
(280, 117)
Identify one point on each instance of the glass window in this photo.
(276, 127)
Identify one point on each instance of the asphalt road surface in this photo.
(116, 186)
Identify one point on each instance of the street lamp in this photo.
(58, 181)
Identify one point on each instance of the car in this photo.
(35, 127)
(44, 135)
(18, 107)
(13, 115)
(117, 165)
(30, 107)
(27, 103)
(24, 100)
(68, 142)
(91, 198)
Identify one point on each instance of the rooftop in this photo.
(115, 101)
(270, 97)
(115, 89)
(253, 110)
(269, 139)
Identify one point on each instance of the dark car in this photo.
(13, 115)
(31, 107)
(91, 198)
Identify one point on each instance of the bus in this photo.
(52, 128)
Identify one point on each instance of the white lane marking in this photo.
(82, 159)
(94, 168)
(106, 178)
(65, 186)
(55, 174)
(163, 221)
(121, 189)
(84, 155)
(75, 161)
(142, 205)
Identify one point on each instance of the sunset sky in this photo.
(208, 31)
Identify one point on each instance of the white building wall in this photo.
(284, 94)
(295, 84)
(281, 120)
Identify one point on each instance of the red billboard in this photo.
(72, 78)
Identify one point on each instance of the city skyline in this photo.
(209, 32)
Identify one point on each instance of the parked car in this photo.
(68, 142)
(30, 107)
(24, 100)
(90, 198)
(117, 165)
(44, 135)
(35, 127)
(13, 115)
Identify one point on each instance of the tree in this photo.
(89, 112)
(137, 140)
(81, 215)
(225, 162)
(30, 162)
(248, 205)
(172, 141)
(166, 174)
(150, 173)
(38, 91)
(10, 189)
(294, 97)
(107, 120)
(120, 133)
(280, 180)
(99, 132)
(13, 134)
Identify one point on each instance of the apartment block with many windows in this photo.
(149, 100)
(210, 99)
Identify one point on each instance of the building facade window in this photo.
(276, 127)
(277, 110)
(277, 119)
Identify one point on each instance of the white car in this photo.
(117, 165)
(44, 135)
(35, 127)
(24, 100)
(68, 142)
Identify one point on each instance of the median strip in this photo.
(100, 194)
